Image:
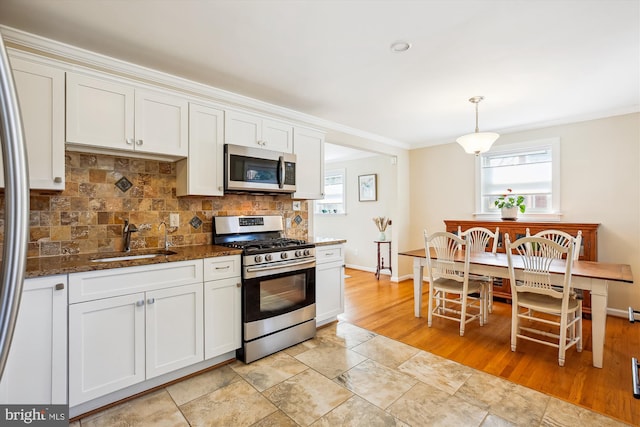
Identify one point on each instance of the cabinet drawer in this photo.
(93, 285)
(222, 267)
(329, 253)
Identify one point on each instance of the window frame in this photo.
(555, 212)
(329, 173)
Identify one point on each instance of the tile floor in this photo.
(346, 376)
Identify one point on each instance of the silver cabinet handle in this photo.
(129, 141)
(59, 286)
(151, 300)
(226, 267)
(57, 180)
(16, 206)
(139, 303)
(139, 142)
(238, 285)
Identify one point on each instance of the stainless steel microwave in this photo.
(256, 170)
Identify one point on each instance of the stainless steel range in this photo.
(278, 283)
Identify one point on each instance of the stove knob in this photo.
(298, 253)
(258, 258)
(284, 255)
(307, 252)
(268, 257)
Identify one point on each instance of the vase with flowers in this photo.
(509, 205)
(382, 222)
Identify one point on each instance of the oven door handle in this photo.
(280, 265)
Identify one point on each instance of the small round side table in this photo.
(381, 265)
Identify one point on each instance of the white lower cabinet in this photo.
(222, 302)
(329, 283)
(106, 346)
(119, 341)
(36, 369)
(174, 325)
(222, 319)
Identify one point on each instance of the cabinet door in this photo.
(174, 328)
(308, 146)
(222, 318)
(201, 174)
(242, 129)
(329, 291)
(40, 90)
(277, 136)
(161, 123)
(36, 370)
(106, 346)
(100, 113)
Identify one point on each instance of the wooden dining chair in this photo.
(479, 239)
(452, 294)
(542, 299)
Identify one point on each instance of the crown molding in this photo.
(82, 57)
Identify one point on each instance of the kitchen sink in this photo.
(133, 257)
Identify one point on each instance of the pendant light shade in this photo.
(477, 142)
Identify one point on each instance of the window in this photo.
(530, 169)
(334, 193)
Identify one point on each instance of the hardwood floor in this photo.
(386, 308)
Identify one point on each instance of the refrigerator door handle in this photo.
(16, 210)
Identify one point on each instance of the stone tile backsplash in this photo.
(88, 216)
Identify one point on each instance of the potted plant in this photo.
(510, 204)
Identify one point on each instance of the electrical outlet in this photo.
(174, 220)
(296, 205)
(288, 221)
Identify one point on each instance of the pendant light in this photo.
(477, 142)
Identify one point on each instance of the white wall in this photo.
(357, 226)
(600, 182)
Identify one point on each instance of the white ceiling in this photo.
(536, 62)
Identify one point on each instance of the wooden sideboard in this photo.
(517, 229)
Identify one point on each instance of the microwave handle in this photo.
(281, 172)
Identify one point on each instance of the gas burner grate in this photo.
(266, 244)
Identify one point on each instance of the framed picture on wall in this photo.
(368, 188)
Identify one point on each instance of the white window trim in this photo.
(332, 172)
(556, 213)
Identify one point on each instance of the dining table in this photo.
(593, 276)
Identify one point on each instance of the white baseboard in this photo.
(373, 270)
(617, 313)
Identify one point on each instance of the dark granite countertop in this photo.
(48, 266)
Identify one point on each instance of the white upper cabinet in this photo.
(201, 174)
(40, 90)
(308, 146)
(252, 130)
(114, 115)
(161, 123)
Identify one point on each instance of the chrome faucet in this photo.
(126, 234)
(166, 242)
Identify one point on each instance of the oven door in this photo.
(257, 170)
(273, 295)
